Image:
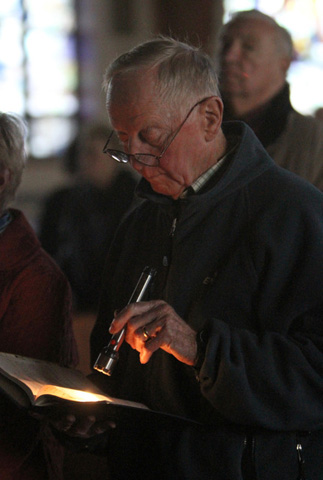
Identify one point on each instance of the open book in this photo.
(36, 383)
(39, 385)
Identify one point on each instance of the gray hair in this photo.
(13, 132)
(283, 38)
(184, 72)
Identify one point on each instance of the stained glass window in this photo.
(304, 20)
(38, 70)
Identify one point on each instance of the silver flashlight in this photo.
(109, 356)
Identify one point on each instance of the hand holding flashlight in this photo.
(109, 355)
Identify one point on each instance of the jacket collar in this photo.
(268, 121)
(18, 243)
(248, 160)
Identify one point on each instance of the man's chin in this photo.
(231, 88)
(166, 190)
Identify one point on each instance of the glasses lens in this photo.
(145, 159)
(117, 155)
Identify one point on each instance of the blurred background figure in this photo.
(254, 56)
(319, 113)
(35, 316)
(79, 221)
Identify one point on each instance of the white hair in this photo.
(184, 72)
(13, 132)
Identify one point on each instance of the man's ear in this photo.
(213, 113)
(284, 65)
(5, 177)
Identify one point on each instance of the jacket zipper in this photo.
(173, 227)
(301, 462)
(248, 462)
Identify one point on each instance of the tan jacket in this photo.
(300, 148)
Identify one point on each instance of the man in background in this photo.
(254, 56)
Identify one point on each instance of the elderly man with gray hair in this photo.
(229, 334)
(254, 57)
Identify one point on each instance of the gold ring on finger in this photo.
(145, 334)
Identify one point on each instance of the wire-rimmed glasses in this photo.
(146, 159)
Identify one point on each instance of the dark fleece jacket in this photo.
(245, 265)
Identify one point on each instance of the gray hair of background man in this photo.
(13, 132)
(283, 38)
(185, 73)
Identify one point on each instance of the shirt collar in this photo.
(4, 221)
(205, 177)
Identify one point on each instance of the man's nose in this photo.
(134, 145)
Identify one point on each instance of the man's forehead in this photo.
(134, 80)
(251, 27)
(131, 93)
(137, 114)
(136, 100)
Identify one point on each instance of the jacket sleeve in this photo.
(40, 298)
(272, 376)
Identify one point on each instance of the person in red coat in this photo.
(35, 321)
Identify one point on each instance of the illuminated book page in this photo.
(74, 395)
(36, 374)
(82, 396)
(38, 378)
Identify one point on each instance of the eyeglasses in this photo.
(145, 158)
